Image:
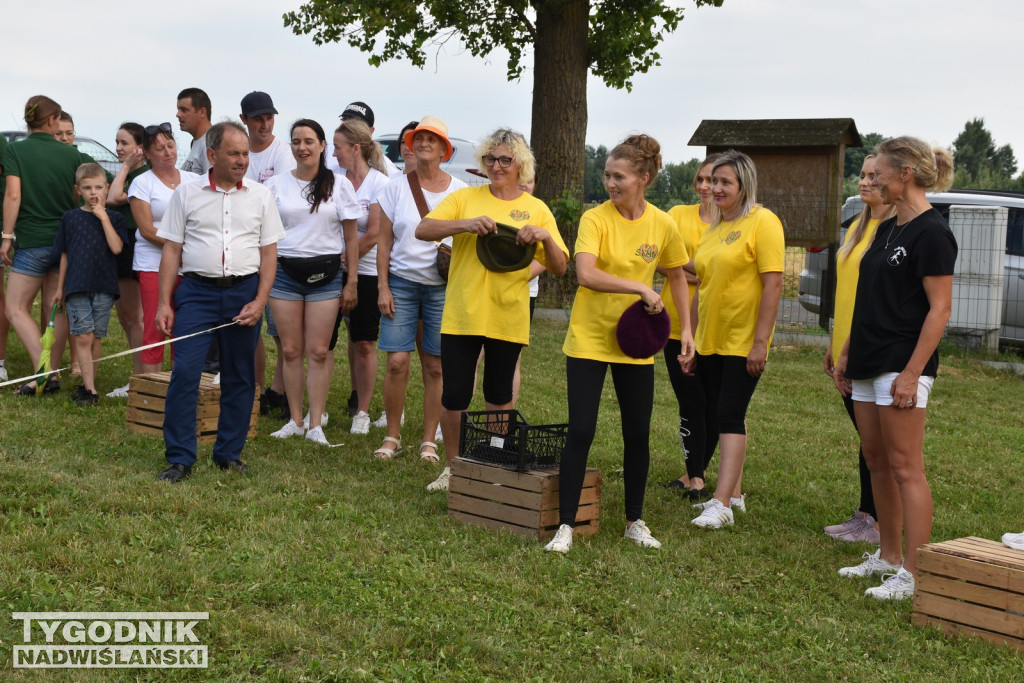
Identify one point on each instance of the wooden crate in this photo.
(525, 503)
(148, 395)
(973, 586)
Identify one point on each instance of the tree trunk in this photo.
(559, 129)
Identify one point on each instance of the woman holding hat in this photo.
(904, 298)
(620, 245)
(488, 297)
(739, 263)
(409, 286)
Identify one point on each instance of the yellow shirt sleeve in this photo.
(480, 302)
(729, 262)
(847, 276)
(690, 227)
(626, 249)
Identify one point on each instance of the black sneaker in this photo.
(83, 397)
(270, 401)
(353, 404)
(175, 473)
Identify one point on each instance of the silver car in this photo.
(103, 156)
(1012, 332)
(462, 165)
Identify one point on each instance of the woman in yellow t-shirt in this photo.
(739, 262)
(485, 309)
(620, 244)
(862, 525)
(698, 437)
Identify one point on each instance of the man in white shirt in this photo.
(194, 110)
(222, 234)
(268, 155)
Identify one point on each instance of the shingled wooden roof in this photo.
(776, 133)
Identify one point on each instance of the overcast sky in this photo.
(920, 67)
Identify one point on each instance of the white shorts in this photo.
(878, 390)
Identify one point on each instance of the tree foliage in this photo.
(674, 184)
(976, 156)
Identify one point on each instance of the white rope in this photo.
(29, 378)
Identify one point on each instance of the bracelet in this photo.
(7, 235)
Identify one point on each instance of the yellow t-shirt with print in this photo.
(627, 249)
(729, 261)
(691, 227)
(847, 275)
(480, 302)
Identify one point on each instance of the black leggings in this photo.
(459, 355)
(698, 426)
(634, 389)
(867, 496)
(728, 388)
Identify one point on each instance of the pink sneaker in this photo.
(846, 526)
(865, 532)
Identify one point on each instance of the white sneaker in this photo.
(894, 586)
(216, 378)
(714, 516)
(323, 420)
(289, 430)
(738, 504)
(120, 392)
(382, 421)
(562, 540)
(1015, 541)
(441, 483)
(316, 435)
(873, 564)
(3, 373)
(360, 423)
(641, 535)
(438, 437)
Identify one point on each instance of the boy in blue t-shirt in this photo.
(88, 242)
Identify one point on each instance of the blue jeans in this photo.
(200, 306)
(413, 302)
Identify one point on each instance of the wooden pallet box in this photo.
(148, 395)
(973, 586)
(525, 503)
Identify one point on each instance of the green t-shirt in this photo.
(126, 209)
(46, 167)
(3, 181)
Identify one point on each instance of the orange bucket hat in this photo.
(435, 126)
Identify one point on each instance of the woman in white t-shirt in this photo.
(409, 286)
(364, 165)
(319, 212)
(148, 196)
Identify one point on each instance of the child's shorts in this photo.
(89, 312)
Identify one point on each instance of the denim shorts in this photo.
(89, 312)
(288, 288)
(413, 302)
(877, 390)
(271, 325)
(35, 261)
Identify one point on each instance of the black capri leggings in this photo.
(698, 426)
(728, 388)
(634, 389)
(867, 495)
(459, 355)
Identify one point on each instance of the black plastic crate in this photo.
(506, 439)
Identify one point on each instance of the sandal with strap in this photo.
(427, 455)
(386, 452)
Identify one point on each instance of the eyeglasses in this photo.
(161, 128)
(489, 160)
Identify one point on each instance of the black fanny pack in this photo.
(312, 271)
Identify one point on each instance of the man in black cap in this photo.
(268, 156)
(362, 112)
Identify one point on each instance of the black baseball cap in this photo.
(257, 103)
(358, 110)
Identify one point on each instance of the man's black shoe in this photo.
(234, 466)
(175, 473)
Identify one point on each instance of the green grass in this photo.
(329, 565)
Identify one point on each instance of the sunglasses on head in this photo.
(160, 128)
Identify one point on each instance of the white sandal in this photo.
(386, 452)
(427, 455)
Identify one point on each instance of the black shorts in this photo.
(364, 319)
(124, 260)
